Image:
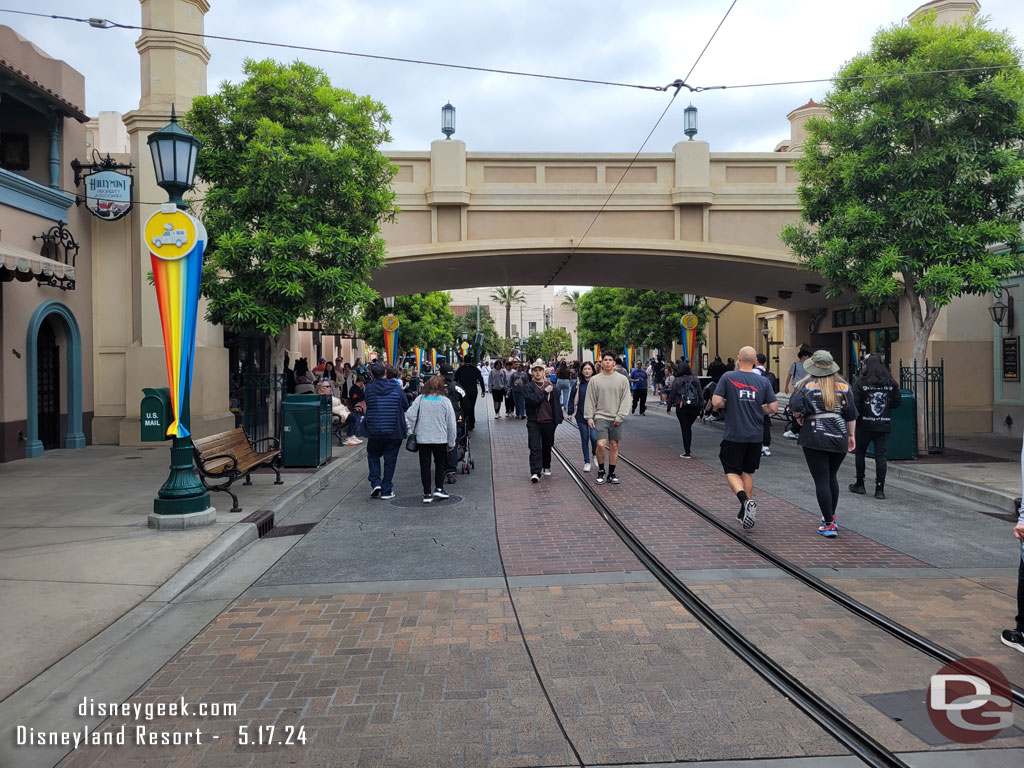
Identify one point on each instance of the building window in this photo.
(842, 318)
(14, 151)
(533, 327)
(515, 331)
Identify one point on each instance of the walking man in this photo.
(1014, 638)
(606, 406)
(747, 397)
(638, 381)
(386, 404)
(543, 415)
(469, 378)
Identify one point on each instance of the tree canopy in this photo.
(613, 317)
(425, 320)
(549, 344)
(296, 191)
(912, 179)
(467, 324)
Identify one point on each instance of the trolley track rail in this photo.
(842, 729)
(893, 628)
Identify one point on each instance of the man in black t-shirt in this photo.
(747, 397)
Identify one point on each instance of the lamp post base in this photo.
(181, 493)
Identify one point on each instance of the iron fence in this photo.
(927, 385)
(260, 400)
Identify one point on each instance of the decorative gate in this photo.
(260, 413)
(927, 385)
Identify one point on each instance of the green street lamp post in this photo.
(174, 151)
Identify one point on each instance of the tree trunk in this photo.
(922, 321)
(508, 321)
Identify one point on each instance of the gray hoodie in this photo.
(433, 419)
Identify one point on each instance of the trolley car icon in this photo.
(176, 236)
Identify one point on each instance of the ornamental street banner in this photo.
(628, 349)
(689, 335)
(418, 351)
(465, 349)
(597, 353)
(433, 359)
(176, 242)
(390, 326)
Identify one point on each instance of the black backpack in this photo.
(691, 392)
(773, 380)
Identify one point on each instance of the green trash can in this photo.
(306, 433)
(903, 437)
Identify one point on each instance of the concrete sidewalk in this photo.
(77, 552)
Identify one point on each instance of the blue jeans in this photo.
(520, 400)
(563, 386)
(588, 438)
(385, 448)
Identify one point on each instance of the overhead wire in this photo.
(679, 85)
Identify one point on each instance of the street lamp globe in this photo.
(389, 302)
(448, 120)
(174, 152)
(690, 121)
(689, 300)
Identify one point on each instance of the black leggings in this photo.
(880, 439)
(439, 452)
(687, 415)
(824, 466)
(499, 398)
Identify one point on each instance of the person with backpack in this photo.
(688, 401)
(498, 383)
(875, 393)
(457, 396)
(824, 407)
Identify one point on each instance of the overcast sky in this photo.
(651, 42)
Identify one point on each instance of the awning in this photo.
(17, 263)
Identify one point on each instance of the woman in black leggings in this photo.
(688, 401)
(824, 408)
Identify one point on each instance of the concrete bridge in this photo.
(689, 220)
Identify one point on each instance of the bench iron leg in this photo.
(276, 466)
(248, 480)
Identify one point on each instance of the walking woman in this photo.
(875, 393)
(563, 383)
(688, 401)
(577, 399)
(823, 406)
(431, 418)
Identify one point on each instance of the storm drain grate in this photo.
(264, 520)
(290, 530)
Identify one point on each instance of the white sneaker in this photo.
(534, 478)
(790, 434)
(427, 499)
(766, 451)
(440, 493)
(546, 473)
(586, 467)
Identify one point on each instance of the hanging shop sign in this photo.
(108, 190)
(1011, 358)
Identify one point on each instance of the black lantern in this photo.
(174, 159)
(448, 120)
(761, 300)
(690, 121)
(812, 287)
(689, 300)
(785, 295)
(1002, 313)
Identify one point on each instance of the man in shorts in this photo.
(608, 401)
(747, 397)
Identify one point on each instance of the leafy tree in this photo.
(553, 343)
(913, 178)
(652, 318)
(504, 348)
(507, 296)
(467, 324)
(296, 191)
(424, 320)
(597, 314)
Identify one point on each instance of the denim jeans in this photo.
(588, 438)
(520, 400)
(563, 386)
(385, 448)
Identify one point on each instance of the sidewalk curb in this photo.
(238, 536)
(999, 499)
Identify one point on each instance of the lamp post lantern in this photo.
(389, 302)
(690, 122)
(174, 152)
(689, 300)
(176, 241)
(448, 120)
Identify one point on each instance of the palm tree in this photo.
(572, 301)
(506, 297)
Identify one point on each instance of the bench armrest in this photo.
(234, 462)
(275, 444)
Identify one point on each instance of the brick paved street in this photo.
(436, 673)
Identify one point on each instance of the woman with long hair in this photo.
(577, 398)
(688, 401)
(431, 418)
(875, 393)
(563, 383)
(823, 406)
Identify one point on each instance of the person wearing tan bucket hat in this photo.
(824, 408)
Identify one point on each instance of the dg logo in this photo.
(969, 701)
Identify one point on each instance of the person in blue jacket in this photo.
(385, 426)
